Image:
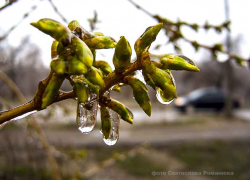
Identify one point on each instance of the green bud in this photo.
(140, 92)
(103, 66)
(54, 49)
(161, 79)
(73, 24)
(105, 121)
(100, 42)
(175, 62)
(76, 67)
(148, 79)
(80, 91)
(95, 77)
(54, 29)
(59, 66)
(121, 109)
(98, 34)
(145, 40)
(51, 90)
(82, 51)
(122, 55)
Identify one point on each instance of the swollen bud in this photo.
(100, 42)
(105, 121)
(82, 51)
(145, 40)
(103, 66)
(161, 78)
(80, 91)
(76, 67)
(140, 92)
(121, 109)
(95, 77)
(122, 55)
(175, 62)
(54, 29)
(59, 66)
(73, 24)
(51, 90)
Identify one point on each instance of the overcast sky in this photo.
(121, 18)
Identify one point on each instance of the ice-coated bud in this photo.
(59, 66)
(76, 67)
(100, 42)
(51, 90)
(145, 40)
(82, 51)
(55, 29)
(73, 24)
(175, 62)
(121, 109)
(140, 92)
(105, 121)
(80, 91)
(122, 55)
(95, 77)
(160, 78)
(103, 66)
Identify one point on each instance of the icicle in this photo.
(115, 125)
(87, 114)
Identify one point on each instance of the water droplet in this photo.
(87, 114)
(115, 125)
(162, 97)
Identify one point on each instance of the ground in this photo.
(151, 150)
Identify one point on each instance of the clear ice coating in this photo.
(87, 114)
(24, 115)
(114, 133)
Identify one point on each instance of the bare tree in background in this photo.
(23, 65)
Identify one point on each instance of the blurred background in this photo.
(205, 129)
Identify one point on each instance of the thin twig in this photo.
(8, 4)
(56, 10)
(168, 26)
(15, 26)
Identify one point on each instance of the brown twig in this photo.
(8, 4)
(56, 10)
(14, 27)
(172, 30)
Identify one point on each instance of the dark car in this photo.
(204, 99)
